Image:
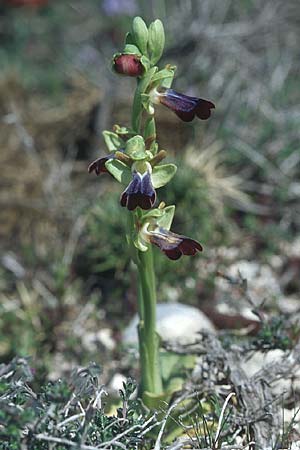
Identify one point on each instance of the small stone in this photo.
(175, 322)
(117, 381)
(104, 336)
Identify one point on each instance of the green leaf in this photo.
(140, 34)
(119, 171)
(156, 41)
(161, 175)
(166, 219)
(112, 140)
(135, 148)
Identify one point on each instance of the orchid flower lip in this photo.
(171, 244)
(139, 192)
(184, 106)
(99, 164)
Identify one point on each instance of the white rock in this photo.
(117, 381)
(259, 360)
(175, 322)
(105, 336)
(289, 305)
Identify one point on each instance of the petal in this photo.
(139, 192)
(189, 247)
(174, 245)
(99, 164)
(185, 106)
(203, 110)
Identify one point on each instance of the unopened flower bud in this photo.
(129, 65)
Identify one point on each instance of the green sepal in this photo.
(137, 103)
(119, 171)
(140, 34)
(164, 77)
(156, 212)
(163, 216)
(166, 219)
(161, 175)
(156, 41)
(131, 49)
(112, 140)
(135, 148)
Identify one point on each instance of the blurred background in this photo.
(67, 288)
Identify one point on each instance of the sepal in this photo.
(131, 49)
(140, 34)
(166, 219)
(135, 148)
(164, 77)
(112, 140)
(161, 175)
(119, 171)
(163, 216)
(156, 41)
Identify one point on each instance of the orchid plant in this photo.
(134, 160)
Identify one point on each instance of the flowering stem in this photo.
(151, 381)
(148, 338)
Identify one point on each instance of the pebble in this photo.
(175, 322)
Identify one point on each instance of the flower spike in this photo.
(184, 106)
(139, 192)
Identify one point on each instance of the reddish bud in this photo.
(128, 65)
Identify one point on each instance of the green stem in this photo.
(148, 338)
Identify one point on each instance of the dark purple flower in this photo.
(172, 244)
(139, 192)
(184, 106)
(128, 65)
(99, 164)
